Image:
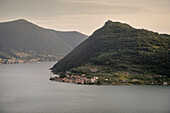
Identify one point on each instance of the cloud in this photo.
(122, 6)
(98, 7)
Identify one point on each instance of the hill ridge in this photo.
(120, 49)
(23, 36)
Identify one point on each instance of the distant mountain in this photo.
(116, 50)
(22, 36)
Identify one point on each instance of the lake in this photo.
(25, 88)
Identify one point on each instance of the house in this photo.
(82, 81)
(77, 77)
(68, 72)
(67, 75)
(82, 75)
(71, 76)
(79, 81)
(83, 78)
(54, 77)
(124, 80)
(11, 61)
(87, 81)
(66, 80)
(165, 83)
(93, 70)
(96, 77)
(57, 76)
(93, 80)
(134, 80)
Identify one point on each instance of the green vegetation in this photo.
(118, 48)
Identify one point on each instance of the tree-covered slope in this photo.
(26, 37)
(119, 48)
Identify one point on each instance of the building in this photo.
(93, 70)
(134, 80)
(66, 80)
(93, 80)
(165, 83)
(124, 80)
(83, 75)
(96, 77)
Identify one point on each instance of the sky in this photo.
(86, 16)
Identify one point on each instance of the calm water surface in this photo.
(25, 88)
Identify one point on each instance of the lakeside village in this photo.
(17, 61)
(20, 61)
(27, 58)
(120, 79)
(31, 57)
(75, 79)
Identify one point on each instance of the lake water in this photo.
(25, 88)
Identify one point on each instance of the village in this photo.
(75, 79)
(92, 78)
(11, 61)
(31, 57)
(18, 61)
(21, 60)
(95, 80)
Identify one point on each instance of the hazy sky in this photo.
(88, 15)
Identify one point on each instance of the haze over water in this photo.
(25, 88)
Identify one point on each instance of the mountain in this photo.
(23, 38)
(122, 53)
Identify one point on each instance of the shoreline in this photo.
(110, 84)
(85, 81)
(29, 62)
